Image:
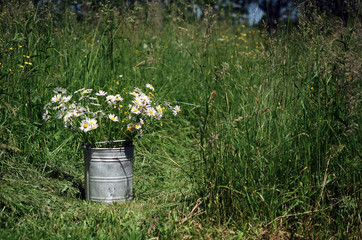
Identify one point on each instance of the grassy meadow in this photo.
(266, 146)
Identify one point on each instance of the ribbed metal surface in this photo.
(109, 174)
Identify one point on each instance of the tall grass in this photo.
(267, 145)
(277, 143)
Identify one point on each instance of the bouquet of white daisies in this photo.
(99, 115)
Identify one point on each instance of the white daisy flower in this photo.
(159, 109)
(83, 97)
(109, 98)
(100, 112)
(72, 113)
(60, 90)
(95, 104)
(137, 126)
(67, 117)
(60, 114)
(151, 111)
(157, 115)
(56, 98)
(134, 94)
(101, 93)
(135, 110)
(94, 126)
(137, 90)
(118, 98)
(176, 110)
(113, 117)
(86, 91)
(146, 99)
(79, 90)
(149, 86)
(92, 121)
(46, 106)
(85, 126)
(137, 101)
(130, 127)
(168, 105)
(80, 111)
(58, 107)
(88, 124)
(46, 116)
(67, 98)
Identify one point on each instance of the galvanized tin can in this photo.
(109, 173)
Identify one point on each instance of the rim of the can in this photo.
(128, 143)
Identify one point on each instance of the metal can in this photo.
(109, 173)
